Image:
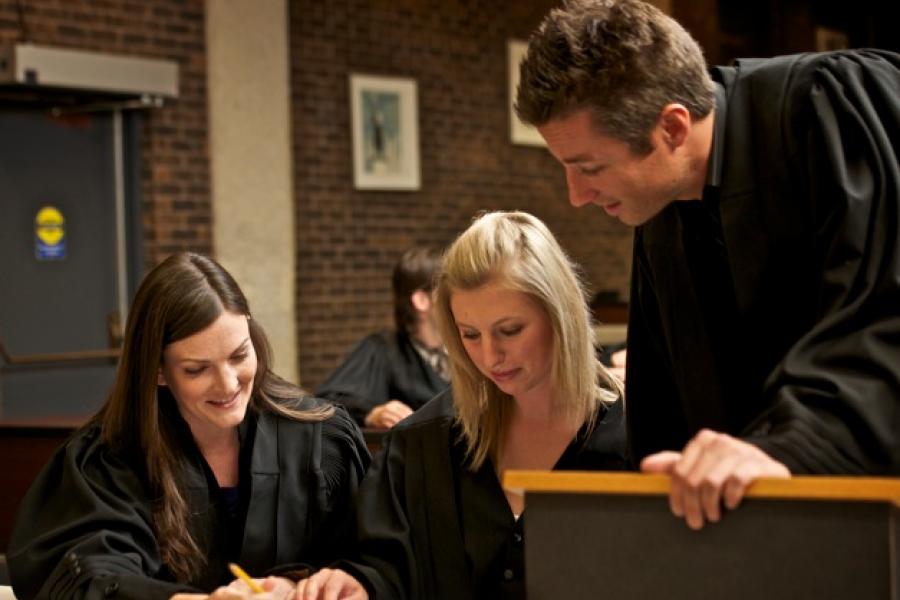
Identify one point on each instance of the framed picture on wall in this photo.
(385, 121)
(519, 132)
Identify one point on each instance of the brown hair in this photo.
(624, 60)
(415, 270)
(180, 297)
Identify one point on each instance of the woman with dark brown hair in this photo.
(200, 456)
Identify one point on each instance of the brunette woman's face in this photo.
(210, 374)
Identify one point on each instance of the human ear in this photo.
(674, 125)
(160, 378)
(421, 300)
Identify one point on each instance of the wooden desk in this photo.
(592, 535)
(607, 335)
(25, 447)
(615, 312)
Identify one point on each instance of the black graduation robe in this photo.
(792, 340)
(384, 366)
(431, 528)
(84, 527)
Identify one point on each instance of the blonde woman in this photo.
(527, 393)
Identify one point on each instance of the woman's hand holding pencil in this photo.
(245, 587)
(242, 575)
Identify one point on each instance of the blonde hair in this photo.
(516, 250)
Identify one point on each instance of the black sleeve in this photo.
(83, 531)
(657, 422)
(323, 473)
(362, 381)
(836, 394)
(386, 562)
(345, 460)
(410, 541)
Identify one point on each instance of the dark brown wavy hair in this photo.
(180, 297)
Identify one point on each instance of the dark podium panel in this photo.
(25, 447)
(619, 540)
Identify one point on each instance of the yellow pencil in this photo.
(242, 574)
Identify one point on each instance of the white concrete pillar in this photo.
(248, 73)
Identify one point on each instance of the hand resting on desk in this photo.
(713, 468)
(331, 584)
(385, 416)
(325, 584)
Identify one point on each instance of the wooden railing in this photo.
(57, 357)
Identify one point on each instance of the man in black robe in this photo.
(764, 336)
(392, 373)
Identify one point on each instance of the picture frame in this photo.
(519, 132)
(385, 132)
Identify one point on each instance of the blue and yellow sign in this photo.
(49, 234)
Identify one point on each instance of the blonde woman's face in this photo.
(508, 337)
(210, 374)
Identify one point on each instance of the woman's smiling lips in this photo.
(228, 403)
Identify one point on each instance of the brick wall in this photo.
(348, 240)
(175, 164)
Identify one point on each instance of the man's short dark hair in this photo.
(624, 60)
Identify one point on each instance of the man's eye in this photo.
(589, 170)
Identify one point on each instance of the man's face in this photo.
(602, 170)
